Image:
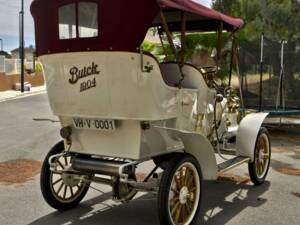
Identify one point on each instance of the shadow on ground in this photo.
(222, 201)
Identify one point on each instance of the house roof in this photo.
(30, 49)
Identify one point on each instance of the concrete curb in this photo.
(21, 95)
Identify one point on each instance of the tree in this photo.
(278, 19)
(5, 54)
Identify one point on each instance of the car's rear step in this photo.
(232, 163)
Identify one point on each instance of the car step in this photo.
(232, 163)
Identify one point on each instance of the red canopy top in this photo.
(120, 25)
(203, 13)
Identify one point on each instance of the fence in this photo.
(13, 66)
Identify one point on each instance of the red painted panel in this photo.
(122, 24)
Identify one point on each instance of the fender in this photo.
(198, 146)
(247, 134)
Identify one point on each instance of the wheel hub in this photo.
(70, 179)
(261, 155)
(183, 195)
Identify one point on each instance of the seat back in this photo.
(193, 79)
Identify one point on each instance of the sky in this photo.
(9, 22)
(204, 2)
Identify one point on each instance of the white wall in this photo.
(12, 66)
(2, 64)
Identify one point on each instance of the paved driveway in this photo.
(232, 200)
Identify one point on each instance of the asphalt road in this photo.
(224, 202)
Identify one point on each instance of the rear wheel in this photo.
(258, 169)
(60, 190)
(180, 191)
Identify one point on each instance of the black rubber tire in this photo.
(46, 186)
(251, 165)
(162, 160)
(165, 183)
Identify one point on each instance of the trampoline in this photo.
(270, 77)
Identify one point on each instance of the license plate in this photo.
(94, 124)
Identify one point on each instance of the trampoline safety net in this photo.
(270, 74)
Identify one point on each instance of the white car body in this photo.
(179, 119)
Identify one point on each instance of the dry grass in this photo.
(233, 178)
(140, 176)
(18, 171)
(297, 194)
(252, 79)
(289, 171)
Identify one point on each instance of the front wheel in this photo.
(60, 190)
(258, 169)
(179, 193)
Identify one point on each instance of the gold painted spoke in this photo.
(258, 171)
(257, 155)
(175, 190)
(262, 142)
(178, 185)
(257, 162)
(174, 200)
(178, 212)
(187, 175)
(190, 182)
(188, 209)
(190, 205)
(191, 200)
(183, 213)
(174, 208)
(258, 168)
(182, 176)
(192, 189)
(261, 168)
(187, 213)
(258, 146)
(265, 156)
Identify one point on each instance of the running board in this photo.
(232, 163)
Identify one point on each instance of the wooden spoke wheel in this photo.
(258, 169)
(180, 191)
(61, 190)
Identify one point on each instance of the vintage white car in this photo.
(119, 106)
